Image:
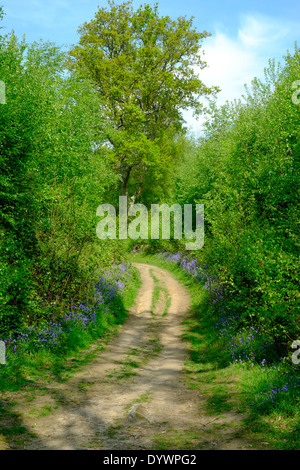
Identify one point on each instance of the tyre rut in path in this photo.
(134, 390)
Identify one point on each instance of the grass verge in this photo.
(29, 371)
(268, 397)
(78, 345)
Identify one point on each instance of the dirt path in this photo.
(132, 394)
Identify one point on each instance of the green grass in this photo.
(224, 387)
(45, 410)
(40, 366)
(13, 431)
(30, 372)
(233, 387)
(159, 293)
(143, 398)
(138, 357)
(178, 440)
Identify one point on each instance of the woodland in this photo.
(80, 128)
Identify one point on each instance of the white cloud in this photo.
(230, 66)
(236, 61)
(261, 31)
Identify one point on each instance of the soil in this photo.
(133, 394)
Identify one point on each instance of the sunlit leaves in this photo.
(141, 64)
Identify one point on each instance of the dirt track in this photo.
(133, 393)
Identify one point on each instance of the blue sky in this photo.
(245, 34)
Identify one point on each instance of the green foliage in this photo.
(141, 64)
(54, 174)
(245, 170)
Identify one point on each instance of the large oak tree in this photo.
(144, 68)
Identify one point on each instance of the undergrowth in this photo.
(266, 386)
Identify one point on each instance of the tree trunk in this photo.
(125, 173)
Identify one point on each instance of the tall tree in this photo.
(143, 67)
